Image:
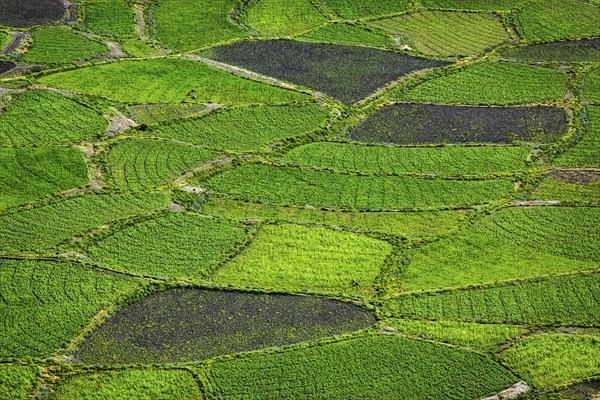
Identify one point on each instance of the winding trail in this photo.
(14, 43)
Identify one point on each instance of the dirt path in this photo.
(71, 11)
(14, 43)
(59, 91)
(141, 22)
(510, 393)
(5, 91)
(115, 51)
(119, 123)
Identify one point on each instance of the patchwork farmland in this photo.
(299, 199)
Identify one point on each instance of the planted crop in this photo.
(44, 117)
(373, 366)
(284, 17)
(443, 161)
(354, 9)
(570, 185)
(182, 325)
(345, 72)
(297, 258)
(55, 45)
(40, 228)
(173, 245)
(446, 33)
(109, 17)
(586, 151)
(489, 5)
(566, 300)
(488, 83)
(28, 174)
(513, 243)
(353, 35)
(247, 128)
(294, 186)
(591, 91)
(430, 123)
(144, 164)
(154, 114)
(45, 304)
(582, 50)
(22, 13)
(17, 382)
(178, 80)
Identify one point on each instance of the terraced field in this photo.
(299, 199)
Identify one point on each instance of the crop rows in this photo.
(586, 152)
(374, 366)
(555, 188)
(28, 174)
(182, 325)
(443, 161)
(447, 33)
(349, 34)
(45, 304)
(43, 117)
(591, 91)
(23, 13)
(297, 258)
(154, 114)
(40, 228)
(143, 164)
(178, 80)
(293, 186)
(431, 123)
(247, 128)
(513, 243)
(56, 45)
(283, 18)
(490, 83)
(414, 224)
(567, 300)
(173, 245)
(109, 17)
(347, 73)
(17, 382)
(583, 50)
(496, 5)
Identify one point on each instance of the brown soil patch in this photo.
(576, 176)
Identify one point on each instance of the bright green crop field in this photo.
(299, 199)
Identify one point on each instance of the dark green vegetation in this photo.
(40, 228)
(247, 128)
(354, 9)
(28, 174)
(172, 245)
(129, 384)
(282, 18)
(17, 381)
(586, 151)
(194, 324)
(512, 243)
(45, 304)
(429, 123)
(495, 5)
(404, 368)
(109, 17)
(345, 72)
(179, 80)
(591, 91)
(565, 300)
(43, 117)
(56, 45)
(583, 50)
(144, 164)
(6, 66)
(22, 13)
(289, 186)
(349, 34)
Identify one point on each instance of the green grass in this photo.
(410, 224)
(142, 164)
(354, 35)
(513, 243)
(168, 80)
(173, 245)
(139, 48)
(492, 83)
(560, 19)
(447, 33)
(45, 304)
(154, 114)
(28, 174)
(284, 17)
(189, 24)
(17, 382)
(5, 38)
(444, 161)
(386, 367)
(142, 384)
(355, 9)
(548, 360)
(467, 334)
(495, 5)
(566, 300)
(109, 17)
(557, 189)
(591, 91)
(293, 186)
(297, 258)
(55, 45)
(246, 128)
(586, 152)
(43, 117)
(40, 228)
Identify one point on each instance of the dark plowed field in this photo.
(22, 13)
(581, 177)
(584, 50)
(182, 325)
(428, 123)
(6, 66)
(347, 73)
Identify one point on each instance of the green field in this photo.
(591, 91)
(284, 17)
(42, 117)
(587, 190)
(17, 381)
(180, 80)
(495, 5)
(28, 174)
(168, 246)
(354, 35)
(155, 114)
(492, 83)
(586, 151)
(428, 32)
(109, 17)
(60, 46)
(354, 9)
